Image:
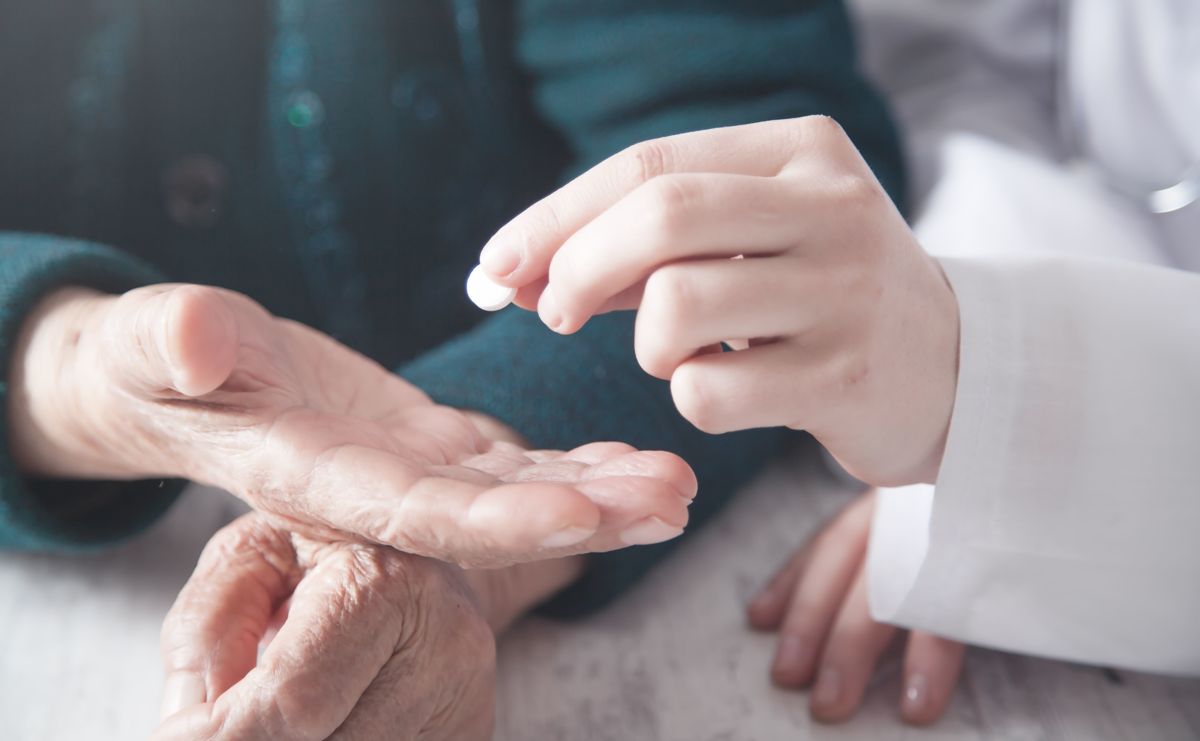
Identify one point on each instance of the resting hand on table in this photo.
(827, 639)
(362, 641)
(852, 327)
(203, 383)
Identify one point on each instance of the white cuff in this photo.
(1066, 516)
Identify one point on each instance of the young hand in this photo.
(852, 327)
(827, 639)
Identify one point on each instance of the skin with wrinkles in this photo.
(827, 640)
(362, 642)
(203, 383)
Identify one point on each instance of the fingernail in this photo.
(548, 309)
(789, 659)
(829, 687)
(182, 690)
(649, 530)
(500, 257)
(567, 537)
(916, 694)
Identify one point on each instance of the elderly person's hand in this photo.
(203, 383)
(362, 641)
(852, 328)
(818, 603)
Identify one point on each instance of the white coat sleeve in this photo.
(1066, 517)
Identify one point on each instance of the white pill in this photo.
(486, 293)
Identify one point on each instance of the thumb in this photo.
(211, 635)
(164, 338)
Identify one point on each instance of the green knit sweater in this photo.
(342, 163)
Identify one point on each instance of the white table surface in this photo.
(672, 661)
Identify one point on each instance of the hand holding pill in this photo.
(853, 328)
(486, 293)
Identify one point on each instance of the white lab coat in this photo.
(1066, 518)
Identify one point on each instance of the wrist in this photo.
(46, 409)
(507, 594)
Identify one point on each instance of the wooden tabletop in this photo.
(672, 661)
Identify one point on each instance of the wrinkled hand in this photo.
(203, 383)
(370, 644)
(818, 603)
(852, 329)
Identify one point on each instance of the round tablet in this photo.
(486, 293)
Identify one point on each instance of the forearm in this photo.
(56, 513)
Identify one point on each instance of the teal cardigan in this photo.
(342, 163)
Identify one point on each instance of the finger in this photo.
(432, 691)
(473, 520)
(689, 306)
(931, 668)
(769, 604)
(528, 294)
(340, 632)
(317, 458)
(642, 496)
(762, 386)
(422, 512)
(164, 339)
(670, 218)
(634, 508)
(821, 590)
(612, 460)
(210, 637)
(849, 657)
(521, 251)
(630, 298)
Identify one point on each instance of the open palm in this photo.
(204, 383)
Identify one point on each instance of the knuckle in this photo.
(249, 536)
(670, 199)
(547, 220)
(646, 160)
(823, 129)
(857, 191)
(695, 399)
(792, 136)
(672, 295)
(229, 541)
(544, 217)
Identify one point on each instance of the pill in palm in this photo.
(486, 293)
